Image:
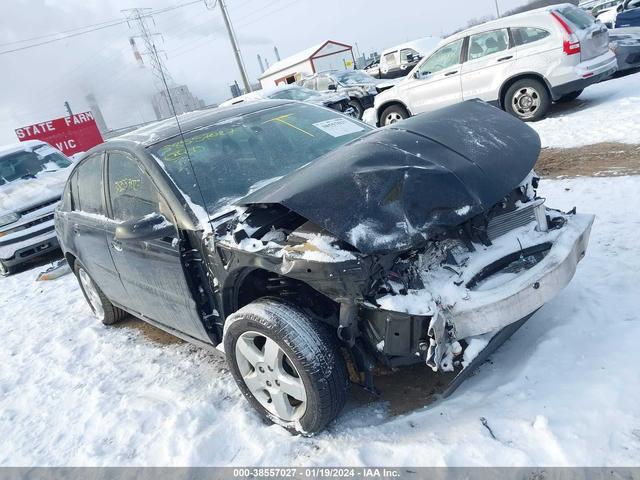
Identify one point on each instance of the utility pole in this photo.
(139, 17)
(68, 108)
(234, 46)
(497, 8)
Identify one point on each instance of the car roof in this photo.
(421, 45)
(25, 146)
(168, 128)
(503, 21)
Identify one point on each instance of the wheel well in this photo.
(384, 106)
(253, 284)
(506, 85)
(71, 259)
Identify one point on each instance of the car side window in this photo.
(525, 35)
(86, 188)
(408, 55)
(390, 59)
(488, 43)
(310, 83)
(444, 57)
(323, 82)
(131, 191)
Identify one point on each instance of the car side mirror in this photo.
(420, 75)
(333, 87)
(149, 227)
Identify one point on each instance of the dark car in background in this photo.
(357, 85)
(334, 100)
(315, 249)
(628, 14)
(32, 176)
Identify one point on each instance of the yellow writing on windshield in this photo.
(282, 120)
(194, 144)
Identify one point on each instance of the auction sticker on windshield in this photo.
(337, 127)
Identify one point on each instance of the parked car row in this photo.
(521, 63)
(624, 14)
(326, 98)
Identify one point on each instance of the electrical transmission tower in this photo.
(138, 18)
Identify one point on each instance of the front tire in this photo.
(393, 114)
(527, 99)
(287, 365)
(357, 107)
(569, 97)
(100, 305)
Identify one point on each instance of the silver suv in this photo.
(32, 177)
(521, 63)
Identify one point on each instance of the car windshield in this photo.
(26, 164)
(354, 78)
(299, 93)
(237, 155)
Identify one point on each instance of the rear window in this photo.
(577, 17)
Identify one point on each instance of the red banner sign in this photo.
(72, 134)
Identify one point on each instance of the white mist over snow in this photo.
(562, 391)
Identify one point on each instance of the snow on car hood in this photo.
(25, 193)
(395, 187)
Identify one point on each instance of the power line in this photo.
(85, 29)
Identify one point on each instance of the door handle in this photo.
(451, 73)
(505, 58)
(117, 246)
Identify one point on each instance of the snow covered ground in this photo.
(562, 391)
(605, 112)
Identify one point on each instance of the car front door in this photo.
(436, 82)
(88, 223)
(151, 270)
(490, 59)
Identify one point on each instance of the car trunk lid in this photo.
(583, 30)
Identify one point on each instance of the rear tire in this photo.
(393, 114)
(569, 97)
(527, 99)
(270, 344)
(100, 305)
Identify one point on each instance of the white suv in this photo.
(521, 63)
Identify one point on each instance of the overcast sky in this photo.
(34, 83)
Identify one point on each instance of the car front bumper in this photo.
(404, 338)
(490, 310)
(29, 249)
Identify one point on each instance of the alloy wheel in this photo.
(526, 102)
(271, 376)
(392, 117)
(92, 293)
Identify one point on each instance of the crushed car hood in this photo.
(396, 187)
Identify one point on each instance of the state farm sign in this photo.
(72, 134)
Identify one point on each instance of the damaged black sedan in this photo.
(313, 249)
